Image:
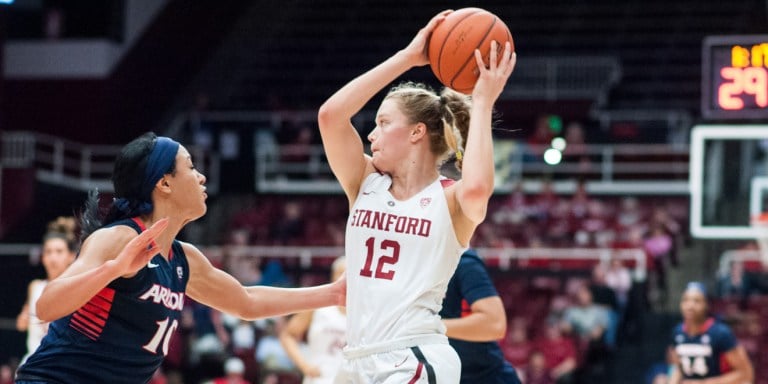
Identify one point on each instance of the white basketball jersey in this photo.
(37, 328)
(325, 341)
(400, 257)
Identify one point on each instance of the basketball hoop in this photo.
(759, 223)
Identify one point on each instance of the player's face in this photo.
(390, 135)
(188, 186)
(693, 306)
(56, 257)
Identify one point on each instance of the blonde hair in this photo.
(446, 116)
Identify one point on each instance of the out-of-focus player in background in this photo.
(325, 331)
(59, 248)
(704, 349)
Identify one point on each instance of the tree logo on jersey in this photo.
(424, 202)
(180, 272)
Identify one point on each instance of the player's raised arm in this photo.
(106, 255)
(343, 146)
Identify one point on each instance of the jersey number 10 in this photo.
(393, 255)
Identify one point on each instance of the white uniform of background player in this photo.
(325, 341)
(400, 257)
(37, 328)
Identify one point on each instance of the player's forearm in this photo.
(65, 295)
(351, 98)
(273, 301)
(477, 327)
(478, 164)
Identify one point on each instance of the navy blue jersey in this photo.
(481, 362)
(703, 355)
(122, 334)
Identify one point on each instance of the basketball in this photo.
(453, 43)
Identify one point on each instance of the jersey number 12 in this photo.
(392, 249)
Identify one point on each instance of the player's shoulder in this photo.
(720, 328)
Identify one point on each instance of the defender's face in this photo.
(188, 185)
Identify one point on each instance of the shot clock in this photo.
(735, 77)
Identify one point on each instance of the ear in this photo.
(163, 185)
(418, 131)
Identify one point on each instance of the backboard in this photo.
(728, 179)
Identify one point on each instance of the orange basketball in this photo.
(453, 43)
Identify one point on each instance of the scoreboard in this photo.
(735, 77)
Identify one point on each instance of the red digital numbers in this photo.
(751, 81)
(388, 259)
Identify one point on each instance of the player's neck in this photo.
(695, 327)
(412, 181)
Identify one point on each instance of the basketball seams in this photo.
(472, 57)
(446, 40)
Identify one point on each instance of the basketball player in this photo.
(325, 329)
(704, 349)
(407, 228)
(58, 253)
(116, 307)
(475, 319)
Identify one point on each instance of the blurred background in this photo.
(630, 157)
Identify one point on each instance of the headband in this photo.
(161, 159)
(696, 286)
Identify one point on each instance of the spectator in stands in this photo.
(705, 349)
(541, 137)
(588, 322)
(545, 201)
(576, 147)
(605, 296)
(270, 354)
(234, 369)
(475, 320)
(58, 253)
(289, 228)
(536, 370)
(559, 352)
(658, 245)
(517, 346)
(209, 339)
(585, 319)
(629, 213)
(619, 278)
(734, 284)
(325, 330)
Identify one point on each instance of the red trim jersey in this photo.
(703, 355)
(122, 334)
(400, 257)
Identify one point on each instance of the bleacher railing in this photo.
(79, 166)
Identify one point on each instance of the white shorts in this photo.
(426, 363)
